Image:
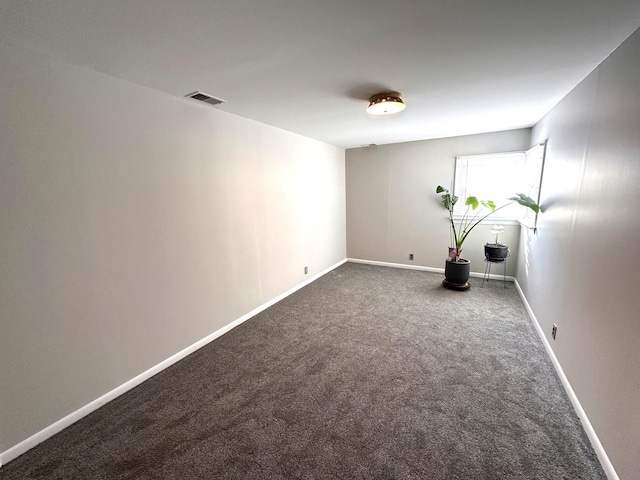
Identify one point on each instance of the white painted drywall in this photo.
(393, 209)
(133, 224)
(581, 271)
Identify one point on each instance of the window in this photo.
(497, 177)
(534, 166)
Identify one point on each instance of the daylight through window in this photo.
(497, 177)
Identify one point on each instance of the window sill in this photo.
(528, 223)
(493, 221)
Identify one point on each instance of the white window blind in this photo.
(534, 166)
(491, 177)
(498, 176)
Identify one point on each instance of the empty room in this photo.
(352, 240)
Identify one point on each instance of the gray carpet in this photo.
(367, 373)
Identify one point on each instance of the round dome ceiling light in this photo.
(385, 103)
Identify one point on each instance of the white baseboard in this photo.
(73, 417)
(425, 269)
(396, 265)
(607, 466)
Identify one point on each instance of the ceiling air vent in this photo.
(206, 98)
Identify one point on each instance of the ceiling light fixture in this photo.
(385, 103)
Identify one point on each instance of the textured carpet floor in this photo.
(367, 373)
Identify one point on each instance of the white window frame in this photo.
(532, 166)
(461, 190)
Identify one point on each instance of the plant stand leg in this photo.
(487, 272)
(504, 273)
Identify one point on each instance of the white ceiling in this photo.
(309, 66)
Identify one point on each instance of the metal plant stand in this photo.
(487, 271)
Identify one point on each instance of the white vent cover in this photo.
(206, 98)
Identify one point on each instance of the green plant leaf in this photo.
(473, 202)
(448, 200)
(490, 204)
(526, 201)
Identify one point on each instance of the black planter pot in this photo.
(495, 252)
(456, 274)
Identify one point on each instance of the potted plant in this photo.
(457, 269)
(496, 251)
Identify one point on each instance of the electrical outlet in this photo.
(306, 270)
(554, 330)
(411, 256)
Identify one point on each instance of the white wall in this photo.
(581, 271)
(392, 207)
(133, 224)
